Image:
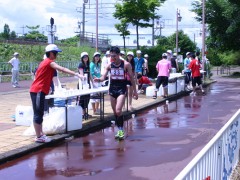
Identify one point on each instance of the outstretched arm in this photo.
(65, 70)
(104, 75)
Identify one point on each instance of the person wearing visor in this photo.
(41, 86)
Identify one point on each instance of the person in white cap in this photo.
(169, 54)
(174, 63)
(84, 70)
(105, 61)
(95, 68)
(139, 62)
(145, 66)
(187, 72)
(163, 68)
(41, 86)
(130, 59)
(122, 55)
(15, 62)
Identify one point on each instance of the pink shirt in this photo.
(163, 67)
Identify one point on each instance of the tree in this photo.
(122, 28)
(34, 34)
(223, 19)
(184, 42)
(13, 35)
(138, 12)
(6, 32)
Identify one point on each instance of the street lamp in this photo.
(203, 35)
(96, 25)
(178, 19)
(83, 20)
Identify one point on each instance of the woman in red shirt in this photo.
(41, 86)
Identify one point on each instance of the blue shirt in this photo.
(186, 64)
(95, 70)
(139, 64)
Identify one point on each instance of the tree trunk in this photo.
(137, 36)
(124, 43)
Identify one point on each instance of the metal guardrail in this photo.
(30, 66)
(219, 157)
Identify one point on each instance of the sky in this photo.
(67, 14)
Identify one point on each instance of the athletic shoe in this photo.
(120, 134)
(14, 86)
(203, 91)
(154, 97)
(43, 139)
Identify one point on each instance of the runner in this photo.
(118, 81)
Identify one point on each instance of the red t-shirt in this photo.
(44, 76)
(195, 68)
(144, 80)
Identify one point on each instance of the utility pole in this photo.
(23, 27)
(96, 25)
(203, 35)
(178, 19)
(153, 34)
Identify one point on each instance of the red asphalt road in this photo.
(160, 142)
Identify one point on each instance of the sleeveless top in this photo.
(118, 74)
(44, 76)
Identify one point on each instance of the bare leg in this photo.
(130, 93)
(165, 91)
(38, 129)
(93, 108)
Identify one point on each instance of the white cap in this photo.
(107, 53)
(174, 54)
(169, 51)
(139, 52)
(164, 54)
(122, 52)
(44, 56)
(187, 53)
(52, 47)
(145, 55)
(96, 53)
(84, 54)
(16, 53)
(130, 53)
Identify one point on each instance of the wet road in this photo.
(159, 143)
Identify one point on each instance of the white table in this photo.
(70, 94)
(172, 88)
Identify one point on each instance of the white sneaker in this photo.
(43, 139)
(203, 91)
(139, 92)
(14, 86)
